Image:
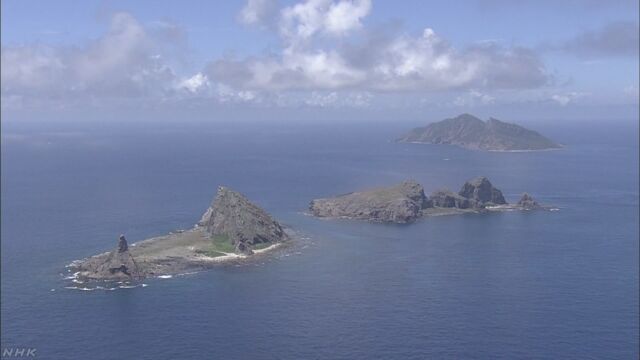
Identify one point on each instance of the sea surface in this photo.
(514, 285)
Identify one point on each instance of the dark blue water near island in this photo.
(513, 285)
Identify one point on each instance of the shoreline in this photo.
(228, 256)
(561, 146)
(163, 257)
(439, 211)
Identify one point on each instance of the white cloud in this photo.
(122, 63)
(226, 94)
(257, 12)
(28, 68)
(304, 20)
(318, 64)
(338, 99)
(404, 63)
(121, 47)
(567, 98)
(195, 84)
(322, 100)
(345, 16)
(473, 98)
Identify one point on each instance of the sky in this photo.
(383, 60)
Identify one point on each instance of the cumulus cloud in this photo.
(319, 63)
(403, 63)
(293, 70)
(307, 61)
(429, 63)
(615, 39)
(306, 19)
(258, 12)
(567, 98)
(123, 62)
(195, 84)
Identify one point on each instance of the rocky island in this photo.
(406, 202)
(231, 228)
(470, 132)
(401, 203)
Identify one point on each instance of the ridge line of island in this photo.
(233, 228)
(470, 132)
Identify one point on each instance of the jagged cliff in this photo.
(406, 202)
(233, 216)
(401, 203)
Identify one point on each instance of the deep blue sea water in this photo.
(515, 285)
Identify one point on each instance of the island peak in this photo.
(232, 215)
(482, 191)
(231, 228)
(470, 132)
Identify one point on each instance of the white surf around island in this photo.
(196, 261)
(233, 256)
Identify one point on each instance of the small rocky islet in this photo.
(232, 228)
(406, 202)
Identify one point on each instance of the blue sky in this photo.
(552, 59)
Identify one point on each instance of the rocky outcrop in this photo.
(118, 265)
(401, 203)
(470, 132)
(233, 216)
(527, 202)
(477, 193)
(481, 191)
(406, 202)
(122, 244)
(448, 199)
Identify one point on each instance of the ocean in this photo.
(513, 285)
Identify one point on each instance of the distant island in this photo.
(231, 228)
(406, 202)
(470, 132)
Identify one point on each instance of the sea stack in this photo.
(527, 202)
(233, 217)
(119, 264)
(122, 244)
